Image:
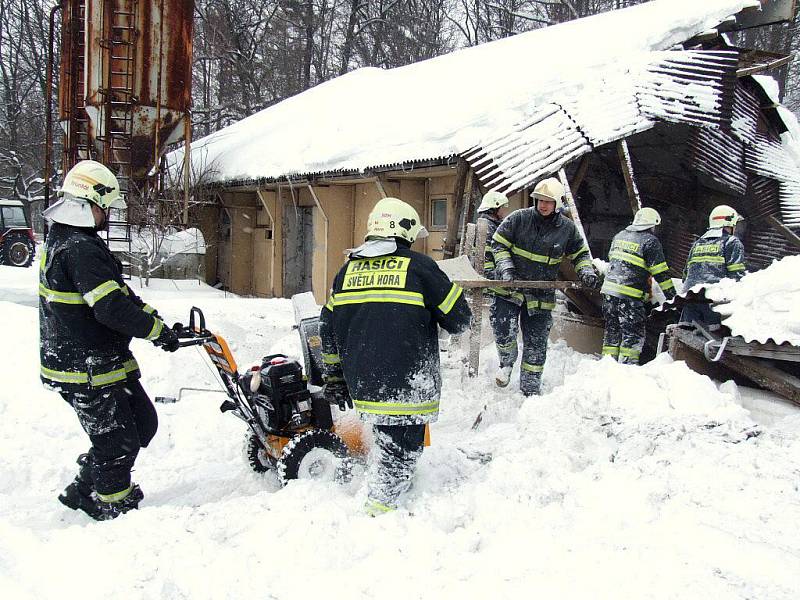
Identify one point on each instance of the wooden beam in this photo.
(476, 295)
(379, 185)
(573, 208)
(790, 235)
(627, 172)
(532, 285)
(757, 370)
(580, 172)
(454, 220)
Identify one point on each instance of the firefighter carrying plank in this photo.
(380, 343)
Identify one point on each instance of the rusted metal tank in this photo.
(125, 88)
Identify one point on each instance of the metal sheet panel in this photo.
(769, 158)
(720, 156)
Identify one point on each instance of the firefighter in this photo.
(87, 317)
(716, 255)
(530, 244)
(636, 255)
(380, 343)
(493, 209)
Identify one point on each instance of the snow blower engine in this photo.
(291, 427)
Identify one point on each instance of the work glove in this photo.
(167, 340)
(589, 279)
(336, 392)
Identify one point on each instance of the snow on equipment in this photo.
(291, 425)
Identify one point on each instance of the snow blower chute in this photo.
(292, 429)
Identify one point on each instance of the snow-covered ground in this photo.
(619, 482)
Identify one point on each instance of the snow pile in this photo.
(764, 305)
(339, 117)
(619, 482)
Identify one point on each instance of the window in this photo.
(13, 216)
(438, 214)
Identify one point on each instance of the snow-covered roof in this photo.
(553, 92)
(763, 306)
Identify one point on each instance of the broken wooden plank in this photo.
(627, 172)
(757, 370)
(519, 283)
(476, 323)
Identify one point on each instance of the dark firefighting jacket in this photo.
(379, 332)
(714, 256)
(533, 247)
(492, 223)
(87, 313)
(634, 257)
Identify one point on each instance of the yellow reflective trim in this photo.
(331, 359)
(101, 291)
(333, 379)
(659, 268)
(628, 258)
(116, 497)
(329, 305)
(501, 240)
(64, 376)
(534, 304)
(575, 255)
(60, 297)
(706, 259)
(498, 256)
(736, 267)
(393, 296)
(450, 300)
(629, 352)
(396, 408)
(146, 308)
(611, 350)
(531, 368)
(158, 325)
(499, 291)
(373, 508)
(610, 286)
(583, 263)
(666, 285)
(130, 365)
(509, 346)
(101, 379)
(536, 257)
(43, 260)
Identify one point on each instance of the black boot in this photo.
(78, 494)
(111, 510)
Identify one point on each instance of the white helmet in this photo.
(550, 189)
(393, 218)
(645, 218)
(492, 200)
(88, 181)
(723, 216)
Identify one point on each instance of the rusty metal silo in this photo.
(125, 85)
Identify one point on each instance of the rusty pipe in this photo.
(48, 135)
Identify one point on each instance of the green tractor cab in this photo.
(17, 244)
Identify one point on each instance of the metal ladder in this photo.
(77, 146)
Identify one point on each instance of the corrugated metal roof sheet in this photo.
(720, 156)
(771, 159)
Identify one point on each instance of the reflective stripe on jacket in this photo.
(634, 257)
(716, 255)
(534, 246)
(379, 333)
(87, 313)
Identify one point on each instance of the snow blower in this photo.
(291, 427)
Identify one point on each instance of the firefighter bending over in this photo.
(530, 244)
(636, 255)
(87, 317)
(380, 343)
(716, 255)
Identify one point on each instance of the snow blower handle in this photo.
(196, 333)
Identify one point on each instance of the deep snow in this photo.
(619, 482)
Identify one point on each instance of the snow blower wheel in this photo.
(313, 454)
(257, 457)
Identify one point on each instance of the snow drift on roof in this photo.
(763, 306)
(439, 107)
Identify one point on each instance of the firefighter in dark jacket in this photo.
(636, 255)
(493, 209)
(529, 245)
(380, 343)
(717, 254)
(87, 317)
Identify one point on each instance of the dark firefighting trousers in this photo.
(119, 420)
(625, 328)
(506, 319)
(395, 455)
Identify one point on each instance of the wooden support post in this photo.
(454, 220)
(580, 173)
(790, 235)
(379, 185)
(476, 298)
(573, 208)
(627, 172)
